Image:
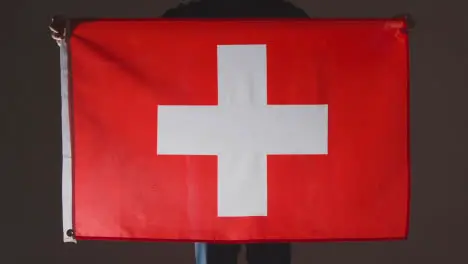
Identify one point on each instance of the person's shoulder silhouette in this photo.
(236, 9)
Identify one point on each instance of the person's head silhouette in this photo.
(227, 253)
(236, 9)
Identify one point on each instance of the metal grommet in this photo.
(70, 233)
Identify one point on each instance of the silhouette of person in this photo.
(257, 253)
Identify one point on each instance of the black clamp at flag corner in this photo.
(58, 29)
(408, 18)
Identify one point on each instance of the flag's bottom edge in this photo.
(276, 240)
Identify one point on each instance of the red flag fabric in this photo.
(236, 130)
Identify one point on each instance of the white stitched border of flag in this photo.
(67, 183)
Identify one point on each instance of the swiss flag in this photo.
(236, 130)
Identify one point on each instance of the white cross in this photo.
(242, 130)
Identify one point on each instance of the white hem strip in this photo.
(67, 180)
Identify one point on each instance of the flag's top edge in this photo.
(220, 20)
(394, 23)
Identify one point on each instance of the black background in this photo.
(30, 218)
